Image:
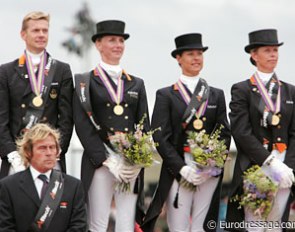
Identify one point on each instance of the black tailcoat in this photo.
(167, 114)
(15, 95)
(248, 135)
(19, 204)
(135, 106)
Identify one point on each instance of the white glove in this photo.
(202, 177)
(16, 161)
(129, 173)
(190, 174)
(279, 172)
(114, 165)
(189, 159)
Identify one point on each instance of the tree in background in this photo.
(80, 34)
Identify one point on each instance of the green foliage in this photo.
(135, 148)
(138, 147)
(208, 150)
(259, 192)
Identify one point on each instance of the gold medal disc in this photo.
(118, 110)
(37, 101)
(275, 120)
(198, 124)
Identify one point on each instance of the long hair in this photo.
(39, 131)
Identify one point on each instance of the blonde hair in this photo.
(35, 15)
(39, 131)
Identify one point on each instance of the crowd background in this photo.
(152, 25)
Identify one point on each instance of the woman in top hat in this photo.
(116, 101)
(187, 210)
(264, 133)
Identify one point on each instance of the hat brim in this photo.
(96, 36)
(182, 49)
(249, 47)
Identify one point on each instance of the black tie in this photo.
(45, 185)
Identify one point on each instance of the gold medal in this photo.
(275, 120)
(118, 110)
(198, 124)
(37, 101)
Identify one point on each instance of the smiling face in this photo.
(266, 58)
(35, 35)
(191, 62)
(111, 48)
(44, 154)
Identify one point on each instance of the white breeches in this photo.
(192, 206)
(101, 193)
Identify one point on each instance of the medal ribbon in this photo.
(117, 97)
(36, 82)
(201, 111)
(273, 107)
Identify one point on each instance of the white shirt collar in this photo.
(265, 77)
(36, 173)
(36, 58)
(114, 71)
(190, 82)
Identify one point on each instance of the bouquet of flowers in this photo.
(207, 153)
(135, 149)
(259, 192)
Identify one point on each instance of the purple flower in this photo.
(250, 187)
(215, 171)
(211, 171)
(208, 151)
(260, 195)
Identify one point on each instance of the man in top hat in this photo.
(34, 88)
(188, 105)
(107, 101)
(263, 124)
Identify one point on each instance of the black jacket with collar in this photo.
(19, 204)
(168, 111)
(135, 107)
(248, 134)
(16, 94)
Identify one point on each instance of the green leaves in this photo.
(138, 147)
(208, 150)
(259, 192)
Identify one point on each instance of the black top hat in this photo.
(266, 37)
(110, 27)
(188, 42)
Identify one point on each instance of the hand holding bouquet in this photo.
(134, 151)
(259, 192)
(206, 153)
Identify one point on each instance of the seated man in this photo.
(41, 198)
